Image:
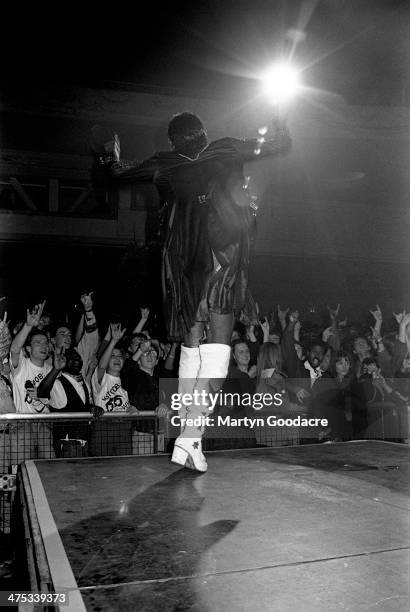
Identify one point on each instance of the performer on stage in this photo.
(208, 229)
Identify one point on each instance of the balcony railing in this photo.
(54, 197)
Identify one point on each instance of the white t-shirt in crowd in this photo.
(27, 371)
(109, 394)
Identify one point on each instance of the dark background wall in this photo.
(313, 283)
(333, 223)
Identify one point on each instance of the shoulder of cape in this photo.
(222, 145)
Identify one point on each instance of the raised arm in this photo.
(333, 336)
(141, 323)
(88, 335)
(143, 347)
(32, 320)
(46, 385)
(401, 344)
(383, 355)
(282, 317)
(170, 357)
(88, 322)
(378, 318)
(267, 143)
(116, 334)
(5, 336)
(290, 357)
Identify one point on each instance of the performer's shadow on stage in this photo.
(154, 536)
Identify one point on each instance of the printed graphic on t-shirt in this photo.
(114, 399)
(110, 395)
(30, 385)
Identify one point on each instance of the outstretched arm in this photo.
(116, 335)
(141, 323)
(32, 320)
(276, 141)
(124, 171)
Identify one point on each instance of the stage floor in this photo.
(310, 528)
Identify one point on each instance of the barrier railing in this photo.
(68, 435)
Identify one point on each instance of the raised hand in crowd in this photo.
(377, 340)
(296, 330)
(144, 313)
(87, 301)
(87, 337)
(87, 322)
(116, 332)
(4, 322)
(104, 343)
(33, 316)
(400, 362)
(5, 342)
(334, 312)
(379, 381)
(378, 317)
(89, 371)
(399, 316)
(265, 328)
(143, 319)
(32, 320)
(404, 328)
(142, 348)
(282, 317)
(327, 333)
(294, 316)
(250, 334)
(170, 356)
(145, 346)
(59, 358)
(331, 333)
(59, 363)
(112, 150)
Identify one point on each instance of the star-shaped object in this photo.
(196, 445)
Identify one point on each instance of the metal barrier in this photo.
(382, 421)
(68, 435)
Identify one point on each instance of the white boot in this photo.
(189, 364)
(212, 373)
(214, 366)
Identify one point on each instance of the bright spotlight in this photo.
(280, 83)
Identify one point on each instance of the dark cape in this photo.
(208, 228)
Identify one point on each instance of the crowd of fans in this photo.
(337, 371)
